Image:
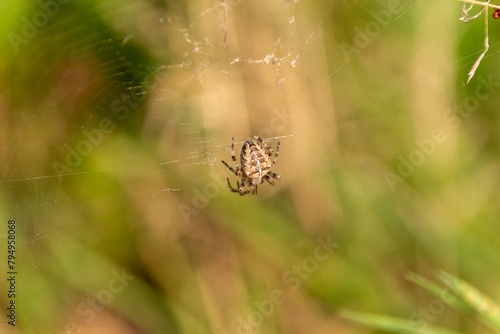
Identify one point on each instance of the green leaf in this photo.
(391, 324)
(486, 309)
(444, 294)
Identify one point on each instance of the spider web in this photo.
(198, 93)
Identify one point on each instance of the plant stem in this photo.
(479, 3)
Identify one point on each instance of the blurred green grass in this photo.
(186, 77)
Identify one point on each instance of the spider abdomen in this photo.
(254, 161)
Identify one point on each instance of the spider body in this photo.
(256, 164)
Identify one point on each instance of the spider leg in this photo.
(277, 155)
(231, 188)
(241, 186)
(251, 189)
(233, 156)
(273, 175)
(269, 179)
(241, 189)
(261, 141)
(236, 172)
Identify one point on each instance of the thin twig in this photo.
(466, 18)
(465, 13)
(486, 47)
(479, 3)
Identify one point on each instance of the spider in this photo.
(256, 164)
(496, 14)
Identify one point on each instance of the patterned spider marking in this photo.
(255, 165)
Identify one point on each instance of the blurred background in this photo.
(115, 116)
